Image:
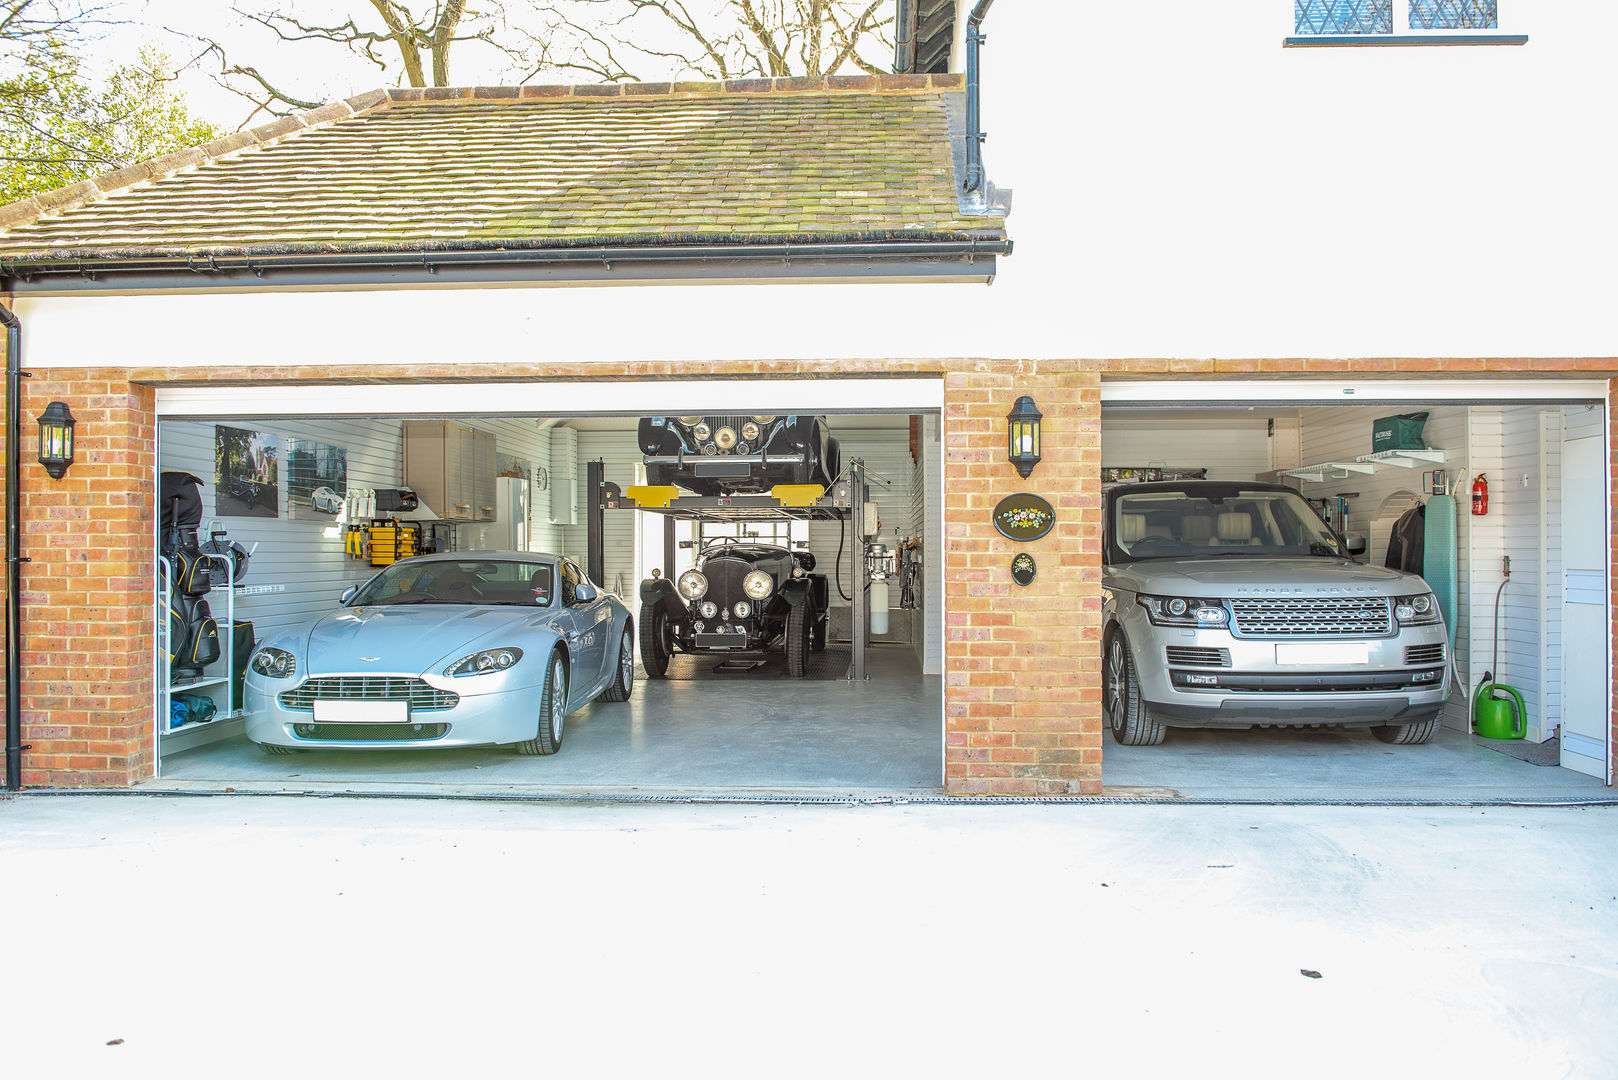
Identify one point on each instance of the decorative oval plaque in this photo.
(1023, 568)
(1024, 517)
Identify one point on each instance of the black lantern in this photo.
(1022, 435)
(56, 439)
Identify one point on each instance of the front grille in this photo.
(734, 423)
(1424, 654)
(370, 732)
(1187, 656)
(422, 696)
(1315, 616)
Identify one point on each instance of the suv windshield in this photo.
(1235, 521)
(469, 581)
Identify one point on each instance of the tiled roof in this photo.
(744, 162)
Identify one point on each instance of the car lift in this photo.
(846, 500)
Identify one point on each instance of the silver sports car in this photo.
(459, 649)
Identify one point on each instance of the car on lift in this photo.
(1235, 605)
(739, 600)
(738, 455)
(467, 648)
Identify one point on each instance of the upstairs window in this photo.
(1399, 22)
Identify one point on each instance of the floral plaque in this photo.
(1024, 517)
(1023, 568)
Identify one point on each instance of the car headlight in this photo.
(482, 663)
(758, 584)
(1418, 610)
(693, 585)
(689, 420)
(764, 419)
(708, 609)
(725, 437)
(1185, 611)
(275, 663)
(702, 431)
(742, 609)
(750, 431)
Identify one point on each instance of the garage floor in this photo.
(1298, 766)
(730, 733)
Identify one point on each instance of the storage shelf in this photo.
(1365, 465)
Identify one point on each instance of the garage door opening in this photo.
(313, 503)
(1538, 544)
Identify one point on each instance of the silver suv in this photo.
(1236, 605)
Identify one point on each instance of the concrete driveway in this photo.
(306, 935)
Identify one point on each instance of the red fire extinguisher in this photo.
(1480, 495)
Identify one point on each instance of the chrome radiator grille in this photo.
(422, 696)
(1312, 616)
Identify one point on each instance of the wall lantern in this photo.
(1022, 435)
(56, 439)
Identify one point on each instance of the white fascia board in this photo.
(1205, 393)
(560, 399)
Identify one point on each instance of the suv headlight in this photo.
(1185, 611)
(693, 585)
(758, 584)
(482, 663)
(1420, 609)
(275, 663)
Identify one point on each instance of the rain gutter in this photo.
(969, 258)
(14, 377)
(974, 123)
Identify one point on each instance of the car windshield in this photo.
(1226, 522)
(457, 581)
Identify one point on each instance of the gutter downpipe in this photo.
(974, 124)
(14, 377)
(904, 34)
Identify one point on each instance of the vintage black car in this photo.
(740, 599)
(738, 455)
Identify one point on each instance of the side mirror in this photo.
(585, 593)
(348, 594)
(1356, 545)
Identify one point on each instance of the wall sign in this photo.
(1024, 517)
(1023, 568)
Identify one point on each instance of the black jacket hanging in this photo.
(1407, 541)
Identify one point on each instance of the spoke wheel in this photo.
(552, 711)
(623, 683)
(1131, 721)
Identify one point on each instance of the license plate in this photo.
(362, 712)
(1323, 654)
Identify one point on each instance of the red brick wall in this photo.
(1022, 665)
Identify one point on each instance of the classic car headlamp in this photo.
(693, 585)
(275, 663)
(689, 420)
(1185, 611)
(482, 663)
(758, 585)
(702, 431)
(742, 609)
(725, 437)
(1418, 610)
(709, 609)
(750, 431)
(764, 419)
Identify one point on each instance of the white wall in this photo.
(1235, 448)
(1184, 187)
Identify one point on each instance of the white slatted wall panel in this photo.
(305, 555)
(620, 455)
(1337, 433)
(1515, 495)
(1229, 451)
(1550, 578)
(886, 452)
(1483, 542)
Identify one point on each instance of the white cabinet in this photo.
(450, 467)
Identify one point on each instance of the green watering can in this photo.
(1498, 712)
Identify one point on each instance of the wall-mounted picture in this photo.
(247, 473)
(317, 479)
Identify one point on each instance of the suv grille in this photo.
(1187, 656)
(1321, 616)
(422, 696)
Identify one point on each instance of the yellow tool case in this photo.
(390, 540)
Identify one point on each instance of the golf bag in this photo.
(193, 637)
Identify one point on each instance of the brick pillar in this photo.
(87, 609)
(1022, 665)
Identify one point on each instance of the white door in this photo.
(1585, 703)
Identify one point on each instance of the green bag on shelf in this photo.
(1401, 432)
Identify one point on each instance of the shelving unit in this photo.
(226, 720)
(1365, 465)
